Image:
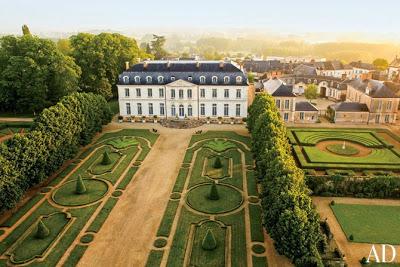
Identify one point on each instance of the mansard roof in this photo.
(189, 70)
(261, 66)
(305, 70)
(332, 81)
(350, 107)
(376, 89)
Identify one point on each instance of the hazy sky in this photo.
(290, 16)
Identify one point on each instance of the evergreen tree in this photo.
(106, 158)
(80, 186)
(42, 230)
(214, 195)
(209, 242)
(217, 163)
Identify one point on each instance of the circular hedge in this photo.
(349, 150)
(229, 199)
(117, 193)
(160, 243)
(258, 249)
(66, 194)
(175, 195)
(253, 199)
(87, 238)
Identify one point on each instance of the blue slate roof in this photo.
(190, 71)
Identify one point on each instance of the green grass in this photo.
(339, 149)
(256, 229)
(259, 261)
(98, 168)
(75, 256)
(102, 216)
(180, 180)
(120, 143)
(369, 223)
(21, 212)
(217, 173)
(154, 258)
(168, 218)
(127, 178)
(251, 183)
(219, 145)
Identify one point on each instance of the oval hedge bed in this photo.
(258, 249)
(175, 195)
(117, 193)
(87, 238)
(160, 243)
(253, 199)
(348, 150)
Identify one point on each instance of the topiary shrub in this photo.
(209, 242)
(87, 238)
(217, 163)
(80, 186)
(363, 261)
(213, 192)
(160, 243)
(333, 203)
(106, 159)
(258, 249)
(42, 230)
(351, 237)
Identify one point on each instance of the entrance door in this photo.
(181, 111)
(322, 91)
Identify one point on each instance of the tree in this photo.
(80, 186)
(311, 92)
(217, 163)
(106, 158)
(25, 30)
(64, 46)
(157, 46)
(381, 64)
(250, 77)
(209, 242)
(42, 231)
(214, 195)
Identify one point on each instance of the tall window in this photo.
(387, 116)
(128, 108)
(126, 92)
(214, 93)
(214, 109)
(173, 110)
(214, 79)
(379, 105)
(238, 93)
(148, 79)
(238, 79)
(190, 111)
(137, 79)
(202, 93)
(389, 105)
(287, 104)
(286, 116)
(161, 92)
(202, 79)
(139, 109)
(237, 110)
(172, 93)
(181, 111)
(202, 109)
(149, 92)
(162, 109)
(301, 115)
(226, 110)
(278, 103)
(138, 92)
(150, 108)
(126, 79)
(160, 79)
(226, 79)
(189, 93)
(226, 93)
(180, 93)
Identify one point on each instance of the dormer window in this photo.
(125, 79)
(172, 78)
(226, 79)
(148, 79)
(202, 79)
(160, 79)
(190, 78)
(214, 79)
(137, 79)
(238, 79)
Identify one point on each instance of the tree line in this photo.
(57, 133)
(288, 213)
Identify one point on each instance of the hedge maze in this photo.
(355, 149)
(214, 213)
(74, 206)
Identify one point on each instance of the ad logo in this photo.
(374, 255)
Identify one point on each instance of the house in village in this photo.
(394, 69)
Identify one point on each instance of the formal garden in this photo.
(213, 217)
(58, 223)
(11, 128)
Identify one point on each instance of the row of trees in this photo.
(57, 134)
(288, 213)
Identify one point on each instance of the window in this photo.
(190, 78)
(238, 93)
(377, 118)
(389, 105)
(202, 79)
(202, 93)
(226, 110)
(137, 79)
(214, 79)
(180, 93)
(181, 111)
(173, 110)
(226, 80)
(237, 110)
(161, 92)
(172, 78)
(189, 93)
(150, 108)
(125, 79)
(139, 109)
(138, 92)
(126, 92)
(214, 93)
(172, 93)
(286, 116)
(202, 109)
(160, 79)
(239, 79)
(162, 109)
(190, 111)
(387, 116)
(128, 108)
(214, 109)
(287, 104)
(149, 92)
(149, 79)
(278, 103)
(379, 105)
(226, 93)
(301, 115)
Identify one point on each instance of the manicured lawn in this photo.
(369, 223)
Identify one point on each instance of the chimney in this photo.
(145, 64)
(168, 64)
(221, 64)
(126, 65)
(198, 64)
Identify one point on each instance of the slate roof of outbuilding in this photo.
(261, 66)
(376, 88)
(284, 91)
(350, 107)
(305, 106)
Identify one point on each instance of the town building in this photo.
(393, 70)
(360, 68)
(348, 112)
(183, 89)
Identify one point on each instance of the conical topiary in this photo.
(42, 231)
(217, 163)
(106, 158)
(213, 192)
(209, 242)
(80, 186)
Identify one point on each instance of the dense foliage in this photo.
(34, 74)
(57, 133)
(289, 215)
